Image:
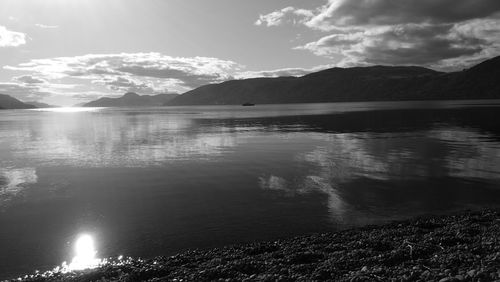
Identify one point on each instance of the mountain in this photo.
(8, 102)
(375, 83)
(131, 99)
(479, 82)
(40, 105)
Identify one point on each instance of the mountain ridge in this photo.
(40, 104)
(372, 83)
(131, 99)
(8, 102)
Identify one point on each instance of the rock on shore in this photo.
(459, 247)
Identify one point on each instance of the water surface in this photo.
(155, 181)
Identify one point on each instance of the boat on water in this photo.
(248, 104)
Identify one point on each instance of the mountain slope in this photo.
(480, 81)
(8, 102)
(40, 105)
(132, 100)
(374, 83)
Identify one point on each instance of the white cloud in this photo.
(288, 15)
(10, 38)
(149, 72)
(46, 26)
(132, 84)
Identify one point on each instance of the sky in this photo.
(66, 52)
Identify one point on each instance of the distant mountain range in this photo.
(8, 102)
(375, 83)
(131, 99)
(41, 105)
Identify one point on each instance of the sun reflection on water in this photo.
(68, 109)
(85, 254)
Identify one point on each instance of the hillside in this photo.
(8, 102)
(131, 99)
(375, 83)
(41, 105)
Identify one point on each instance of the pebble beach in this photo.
(459, 247)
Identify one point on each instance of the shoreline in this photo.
(462, 246)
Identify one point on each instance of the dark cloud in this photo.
(437, 33)
(420, 45)
(388, 12)
(399, 45)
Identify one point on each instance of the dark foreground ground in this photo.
(460, 247)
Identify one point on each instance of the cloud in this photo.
(46, 26)
(445, 34)
(127, 84)
(288, 15)
(29, 79)
(31, 88)
(11, 38)
(23, 92)
(148, 72)
(191, 72)
(338, 13)
(410, 44)
(87, 96)
(121, 83)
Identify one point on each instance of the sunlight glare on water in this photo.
(85, 254)
(68, 109)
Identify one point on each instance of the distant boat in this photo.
(248, 104)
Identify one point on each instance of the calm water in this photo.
(155, 181)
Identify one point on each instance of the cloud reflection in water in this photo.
(343, 162)
(14, 180)
(307, 184)
(117, 140)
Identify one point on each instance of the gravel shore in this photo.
(460, 247)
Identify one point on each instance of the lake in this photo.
(155, 181)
